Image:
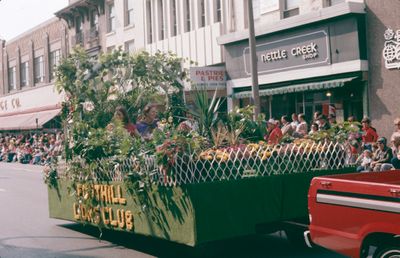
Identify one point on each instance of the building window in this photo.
(291, 8)
(129, 12)
(94, 25)
(333, 2)
(78, 30)
(54, 61)
(218, 10)
(202, 13)
(110, 17)
(149, 22)
(161, 35)
(130, 46)
(24, 74)
(187, 16)
(174, 25)
(38, 68)
(12, 78)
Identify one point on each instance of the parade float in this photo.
(183, 185)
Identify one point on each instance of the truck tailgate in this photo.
(344, 209)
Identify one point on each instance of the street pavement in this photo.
(27, 231)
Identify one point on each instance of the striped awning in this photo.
(297, 88)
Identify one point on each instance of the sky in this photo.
(18, 16)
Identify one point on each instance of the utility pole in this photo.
(255, 96)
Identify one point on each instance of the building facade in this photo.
(28, 99)
(328, 56)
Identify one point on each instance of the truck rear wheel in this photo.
(388, 252)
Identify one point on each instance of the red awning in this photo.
(27, 121)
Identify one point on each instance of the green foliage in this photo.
(339, 132)
(206, 111)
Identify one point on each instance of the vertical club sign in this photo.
(391, 51)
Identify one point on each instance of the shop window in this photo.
(55, 57)
(174, 25)
(24, 74)
(12, 78)
(38, 68)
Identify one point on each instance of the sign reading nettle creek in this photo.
(296, 52)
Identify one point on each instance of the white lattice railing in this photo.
(230, 163)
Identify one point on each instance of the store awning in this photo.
(27, 121)
(297, 88)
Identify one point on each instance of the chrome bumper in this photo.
(307, 238)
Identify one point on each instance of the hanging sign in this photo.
(391, 51)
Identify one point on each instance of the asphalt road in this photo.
(27, 231)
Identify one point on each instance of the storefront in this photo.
(32, 109)
(319, 65)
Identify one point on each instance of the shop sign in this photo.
(209, 77)
(391, 51)
(35, 98)
(295, 52)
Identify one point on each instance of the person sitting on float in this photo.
(274, 132)
(149, 121)
(122, 115)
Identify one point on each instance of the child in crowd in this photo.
(364, 161)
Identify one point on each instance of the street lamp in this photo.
(255, 96)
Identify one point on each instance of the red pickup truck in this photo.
(356, 214)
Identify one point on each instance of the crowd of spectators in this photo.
(370, 152)
(30, 148)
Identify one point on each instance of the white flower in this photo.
(88, 106)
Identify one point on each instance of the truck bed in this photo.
(389, 177)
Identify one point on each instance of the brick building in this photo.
(28, 99)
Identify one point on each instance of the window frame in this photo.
(129, 14)
(187, 16)
(54, 60)
(24, 74)
(174, 18)
(126, 45)
(38, 65)
(161, 22)
(149, 22)
(202, 13)
(12, 78)
(111, 17)
(217, 11)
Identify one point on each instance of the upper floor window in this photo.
(174, 25)
(55, 57)
(94, 19)
(161, 24)
(24, 74)
(333, 2)
(130, 46)
(12, 78)
(291, 8)
(202, 14)
(187, 16)
(218, 11)
(110, 17)
(129, 12)
(38, 68)
(78, 24)
(149, 22)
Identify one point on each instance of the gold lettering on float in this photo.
(121, 218)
